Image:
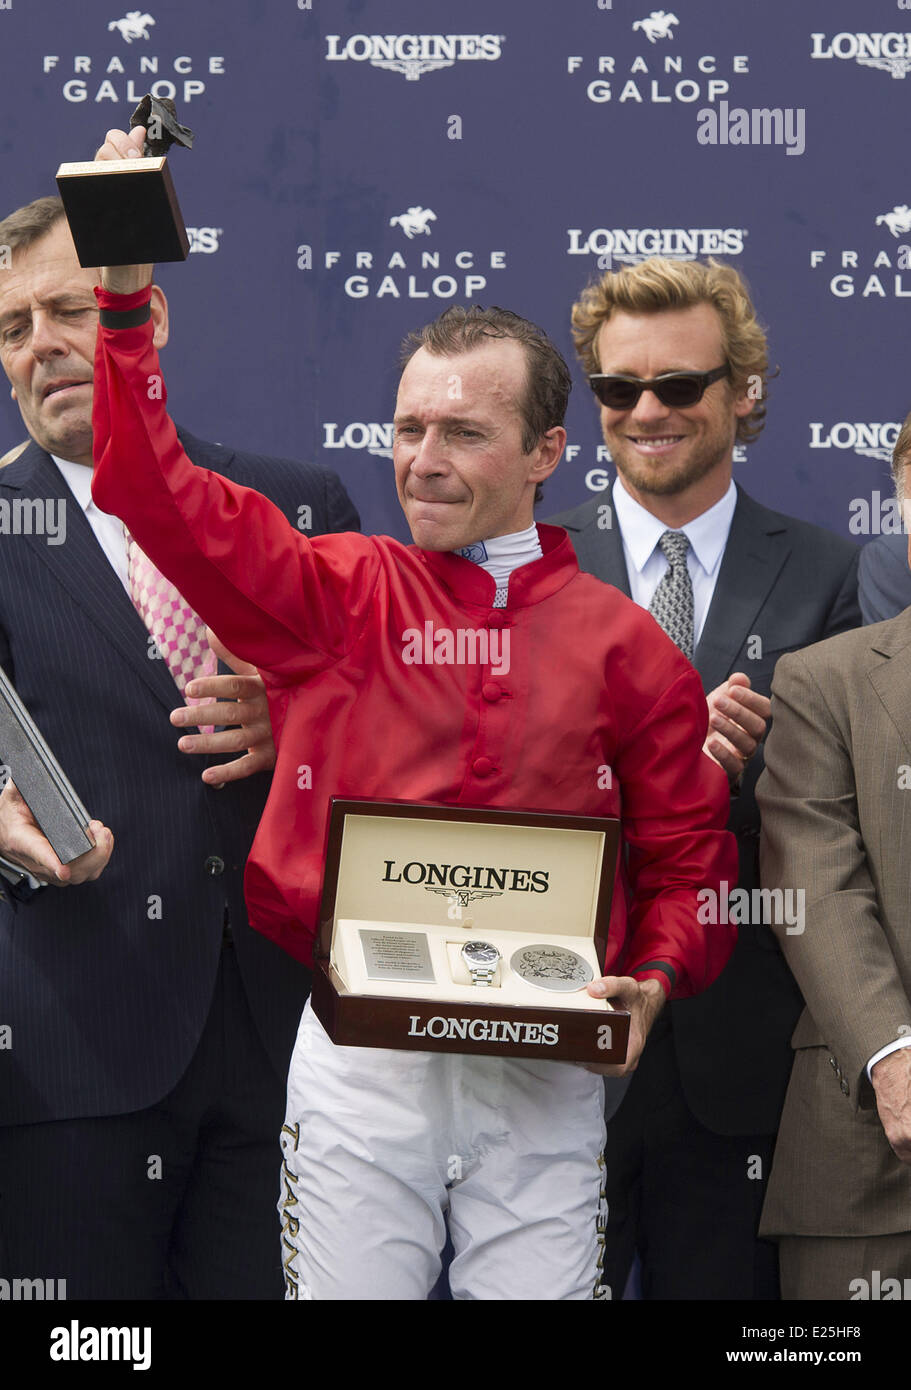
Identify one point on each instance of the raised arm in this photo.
(275, 598)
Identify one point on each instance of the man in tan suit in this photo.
(836, 823)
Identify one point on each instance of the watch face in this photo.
(480, 953)
(552, 967)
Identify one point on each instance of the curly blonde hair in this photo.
(658, 284)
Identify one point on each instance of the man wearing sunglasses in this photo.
(677, 363)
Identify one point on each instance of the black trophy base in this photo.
(123, 212)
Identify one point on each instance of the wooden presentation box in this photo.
(407, 886)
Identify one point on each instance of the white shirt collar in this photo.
(107, 530)
(707, 533)
(78, 478)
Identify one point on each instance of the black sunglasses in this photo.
(676, 390)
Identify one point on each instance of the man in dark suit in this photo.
(147, 1028)
(689, 1149)
(884, 583)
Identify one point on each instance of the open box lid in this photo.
(425, 863)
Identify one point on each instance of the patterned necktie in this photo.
(672, 605)
(179, 634)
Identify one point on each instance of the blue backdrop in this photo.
(360, 165)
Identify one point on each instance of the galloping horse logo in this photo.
(898, 220)
(134, 25)
(657, 26)
(414, 221)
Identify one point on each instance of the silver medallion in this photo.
(552, 967)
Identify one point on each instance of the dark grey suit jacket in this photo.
(884, 580)
(788, 584)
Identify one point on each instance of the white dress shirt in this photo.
(108, 530)
(646, 563)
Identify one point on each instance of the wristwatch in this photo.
(481, 960)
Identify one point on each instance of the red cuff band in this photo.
(119, 302)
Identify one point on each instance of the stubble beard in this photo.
(660, 480)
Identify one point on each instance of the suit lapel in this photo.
(756, 549)
(599, 547)
(891, 679)
(81, 568)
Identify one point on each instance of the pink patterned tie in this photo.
(179, 634)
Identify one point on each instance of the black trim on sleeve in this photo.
(125, 318)
(661, 965)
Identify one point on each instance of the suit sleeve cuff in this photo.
(884, 1052)
(21, 884)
